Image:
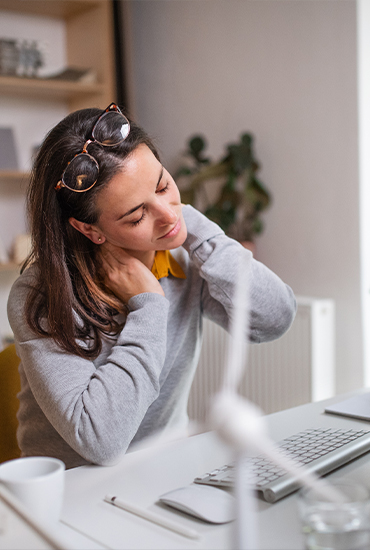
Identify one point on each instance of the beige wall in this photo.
(286, 71)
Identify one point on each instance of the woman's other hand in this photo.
(125, 275)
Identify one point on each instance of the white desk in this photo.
(15, 534)
(144, 475)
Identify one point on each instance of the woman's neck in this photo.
(146, 257)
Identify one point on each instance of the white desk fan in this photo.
(240, 424)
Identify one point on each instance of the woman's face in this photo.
(140, 209)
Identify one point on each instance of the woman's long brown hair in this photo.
(68, 302)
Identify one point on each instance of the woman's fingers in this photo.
(125, 275)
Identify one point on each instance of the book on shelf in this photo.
(8, 153)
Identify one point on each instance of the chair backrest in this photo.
(9, 387)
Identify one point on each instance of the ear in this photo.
(90, 231)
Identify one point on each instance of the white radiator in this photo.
(295, 369)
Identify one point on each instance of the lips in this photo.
(173, 232)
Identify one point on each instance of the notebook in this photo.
(354, 407)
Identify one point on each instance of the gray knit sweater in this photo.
(85, 411)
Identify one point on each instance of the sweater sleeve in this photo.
(96, 408)
(217, 257)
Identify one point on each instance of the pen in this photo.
(151, 516)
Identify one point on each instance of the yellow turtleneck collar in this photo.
(164, 264)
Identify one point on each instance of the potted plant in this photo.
(228, 190)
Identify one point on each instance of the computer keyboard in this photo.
(320, 450)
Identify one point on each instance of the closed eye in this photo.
(164, 189)
(161, 190)
(136, 222)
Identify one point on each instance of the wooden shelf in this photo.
(51, 8)
(13, 176)
(8, 267)
(43, 88)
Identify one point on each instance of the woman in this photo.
(107, 322)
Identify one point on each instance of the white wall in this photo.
(363, 45)
(286, 71)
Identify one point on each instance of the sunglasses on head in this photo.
(81, 173)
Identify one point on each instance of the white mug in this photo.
(38, 483)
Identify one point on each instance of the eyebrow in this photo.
(132, 210)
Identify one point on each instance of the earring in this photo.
(99, 239)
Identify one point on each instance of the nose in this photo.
(166, 214)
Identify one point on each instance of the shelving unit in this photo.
(89, 39)
(89, 43)
(89, 32)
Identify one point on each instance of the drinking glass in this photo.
(336, 525)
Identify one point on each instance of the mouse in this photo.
(202, 501)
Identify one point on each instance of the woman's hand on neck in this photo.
(128, 274)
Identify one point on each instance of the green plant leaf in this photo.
(211, 171)
(257, 193)
(223, 214)
(239, 158)
(188, 196)
(247, 139)
(258, 226)
(183, 171)
(197, 145)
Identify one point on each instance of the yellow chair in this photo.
(9, 387)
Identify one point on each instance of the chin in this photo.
(178, 240)
(181, 237)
